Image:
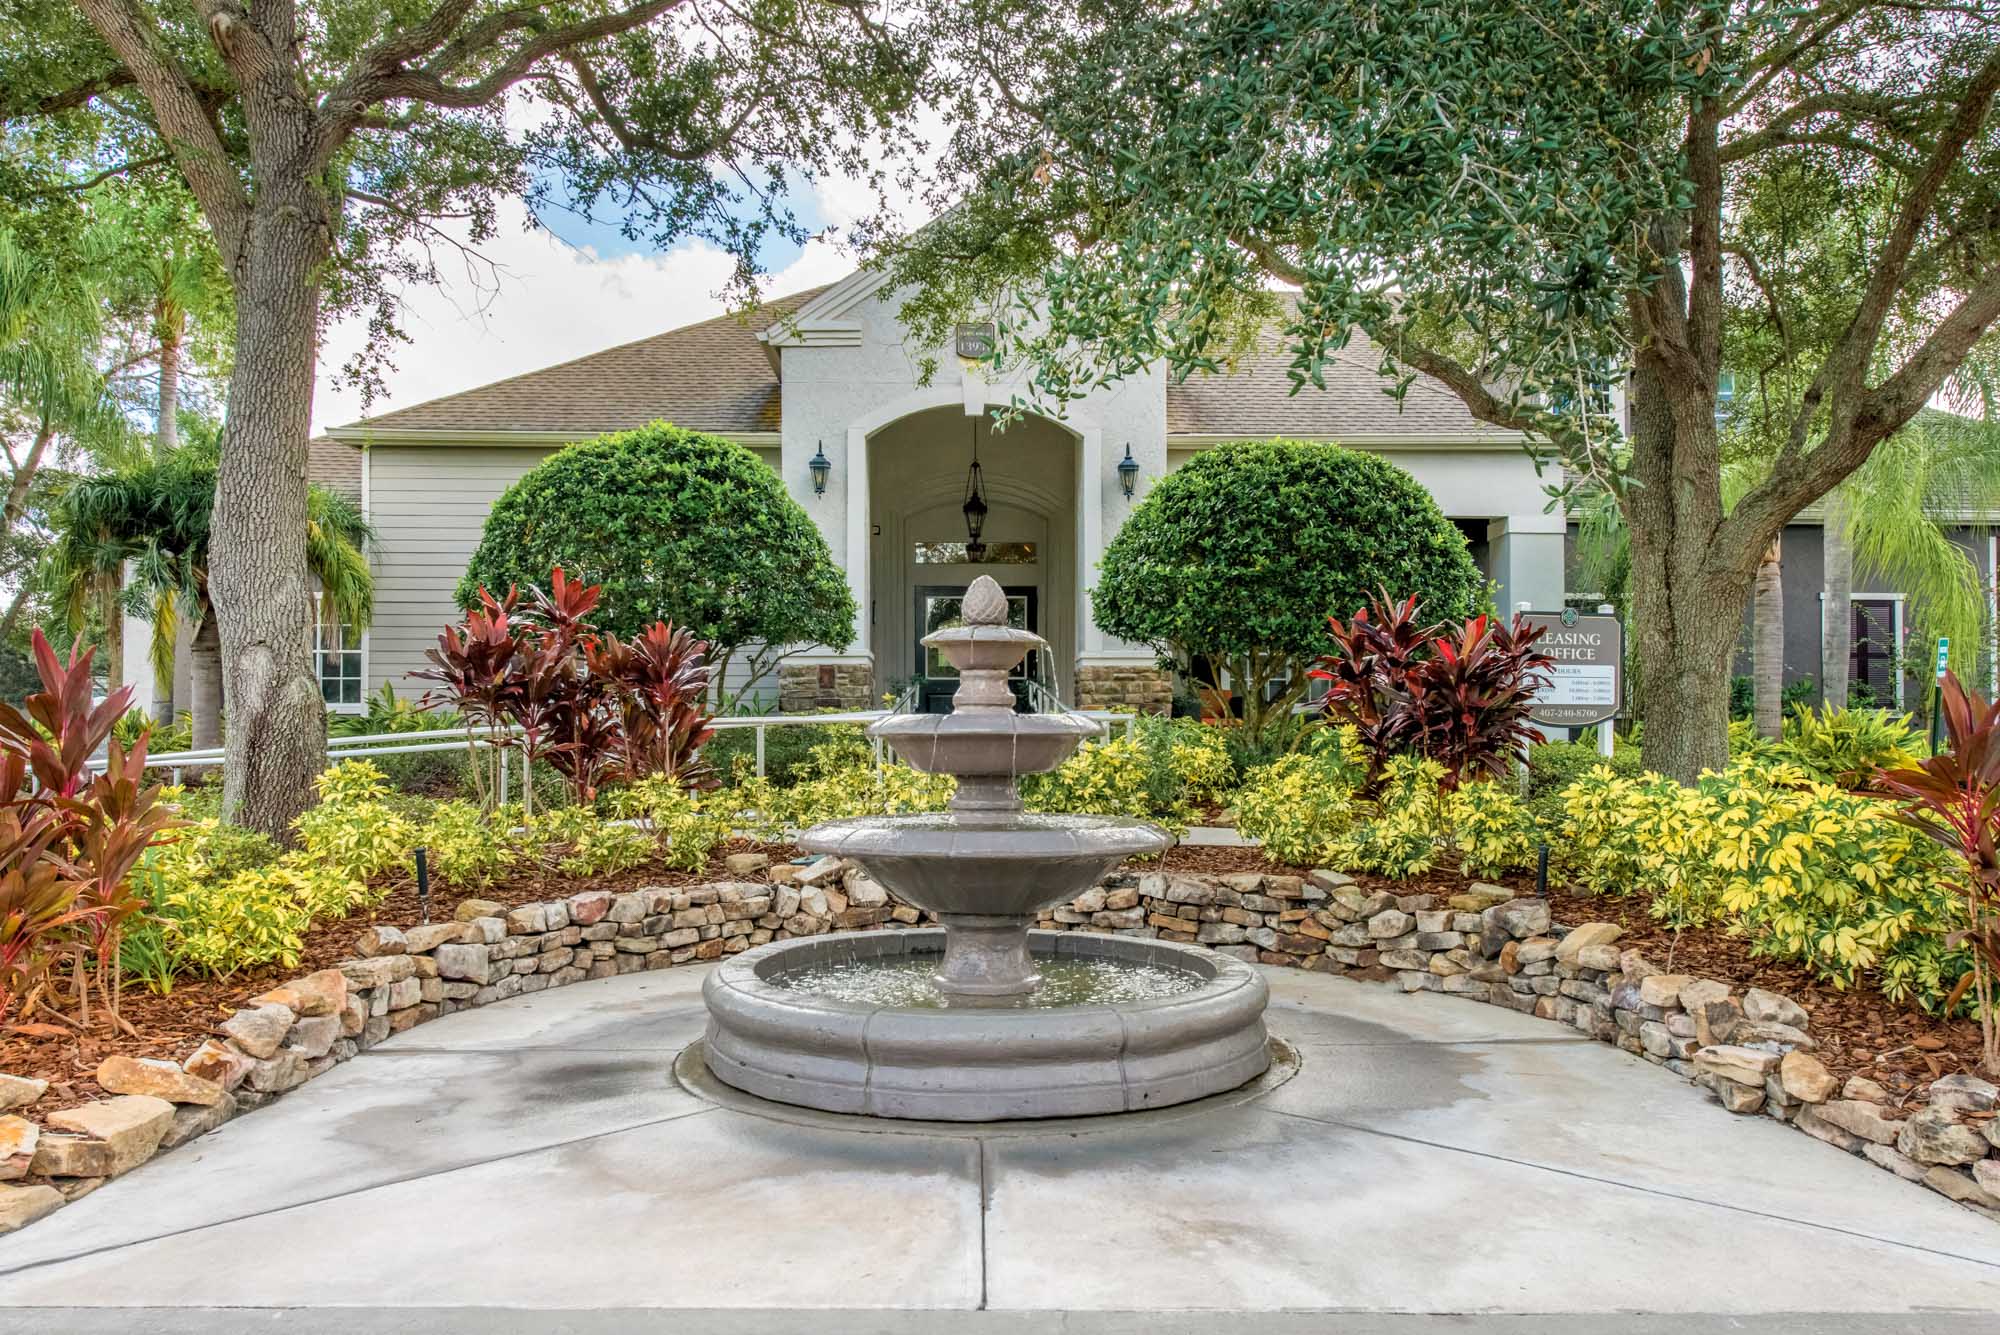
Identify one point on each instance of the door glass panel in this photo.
(1872, 660)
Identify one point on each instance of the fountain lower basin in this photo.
(774, 1039)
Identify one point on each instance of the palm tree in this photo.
(55, 403)
(156, 517)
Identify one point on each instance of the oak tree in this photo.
(333, 147)
(1542, 204)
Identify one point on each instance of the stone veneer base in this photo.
(1143, 687)
(971, 1064)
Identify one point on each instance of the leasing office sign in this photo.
(1588, 680)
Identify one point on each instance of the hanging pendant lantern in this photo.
(975, 503)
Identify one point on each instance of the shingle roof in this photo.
(1255, 398)
(711, 376)
(334, 466)
(715, 376)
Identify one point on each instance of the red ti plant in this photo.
(1373, 653)
(473, 665)
(1954, 798)
(661, 684)
(69, 839)
(591, 706)
(1458, 695)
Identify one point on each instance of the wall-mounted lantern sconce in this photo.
(821, 469)
(1128, 473)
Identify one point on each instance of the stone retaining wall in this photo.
(1752, 1052)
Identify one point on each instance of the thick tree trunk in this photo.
(1767, 653)
(1687, 615)
(1836, 608)
(257, 545)
(205, 685)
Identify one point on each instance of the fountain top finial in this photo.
(984, 603)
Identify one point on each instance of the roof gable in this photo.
(711, 376)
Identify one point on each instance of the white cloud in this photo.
(552, 302)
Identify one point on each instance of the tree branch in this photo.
(183, 119)
(1840, 377)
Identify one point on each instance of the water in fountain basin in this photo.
(907, 982)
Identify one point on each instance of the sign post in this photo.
(1937, 687)
(1587, 685)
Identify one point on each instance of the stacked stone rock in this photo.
(1752, 1052)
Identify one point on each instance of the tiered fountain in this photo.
(982, 1018)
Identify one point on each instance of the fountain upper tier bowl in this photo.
(1015, 865)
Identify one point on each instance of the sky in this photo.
(563, 293)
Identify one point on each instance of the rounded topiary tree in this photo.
(678, 525)
(1242, 554)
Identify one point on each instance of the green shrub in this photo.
(1240, 556)
(678, 525)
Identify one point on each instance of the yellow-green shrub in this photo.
(1297, 805)
(1108, 778)
(217, 905)
(467, 847)
(354, 829)
(583, 843)
(1847, 746)
(251, 918)
(1801, 869)
(1652, 836)
(1492, 830)
(1832, 878)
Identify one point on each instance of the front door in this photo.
(938, 606)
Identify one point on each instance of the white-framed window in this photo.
(339, 662)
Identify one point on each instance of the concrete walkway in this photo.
(1428, 1157)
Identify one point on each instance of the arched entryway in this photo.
(918, 564)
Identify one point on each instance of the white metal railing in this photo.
(436, 740)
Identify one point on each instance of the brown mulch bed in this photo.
(174, 1025)
(1859, 1031)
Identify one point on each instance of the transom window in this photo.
(997, 554)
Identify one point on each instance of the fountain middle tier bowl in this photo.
(1003, 745)
(786, 1022)
(1013, 865)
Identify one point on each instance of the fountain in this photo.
(982, 1018)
